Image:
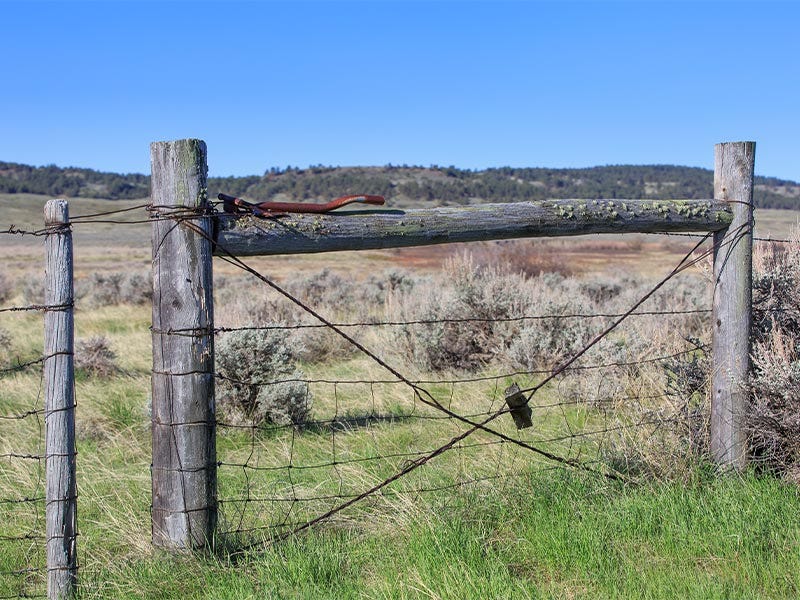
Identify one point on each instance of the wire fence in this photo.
(23, 570)
(38, 526)
(379, 432)
(369, 437)
(359, 431)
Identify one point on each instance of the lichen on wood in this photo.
(300, 233)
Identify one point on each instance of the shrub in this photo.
(774, 414)
(109, 289)
(339, 299)
(776, 293)
(463, 292)
(33, 289)
(541, 342)
(688, 383)
(95, 357)
(136, 288)
(261, 382)
(6, 289)
(103, 289)
(466, 290)
(526, 257)
(6, 347)
(323, 288)
(773, 417)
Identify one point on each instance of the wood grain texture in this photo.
(733, 266)
(184, 509)
(59, 385)
(296, 234)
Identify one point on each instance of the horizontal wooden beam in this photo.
(369, 230)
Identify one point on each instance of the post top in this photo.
(56, 212)
(745, 145)
(190, 141)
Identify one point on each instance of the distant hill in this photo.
(411, 185)
(71, 182)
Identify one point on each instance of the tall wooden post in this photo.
(184, 475)
(59, 387)
(733, 265)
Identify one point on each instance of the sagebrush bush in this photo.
(520, 257)
(261, 381)
(774, 414)
(95, 357)
(462, 292)
(6, 347)
(110, 289)
(33, 288)
(6, 287)
(776, 292)
(773, 418)
(541, 342)
(136, 288)
(241, 302)
(563, 307)
(340, 295)
(322, 288)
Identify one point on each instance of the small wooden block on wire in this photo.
(518, 403)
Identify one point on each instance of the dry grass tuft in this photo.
(95, 357)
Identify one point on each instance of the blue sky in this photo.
(470, 84)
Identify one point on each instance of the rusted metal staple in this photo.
(232, 204)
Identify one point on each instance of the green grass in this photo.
(553, 535)
(540, 533)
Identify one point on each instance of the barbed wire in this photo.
(699, 235)
(444, 321)
(418, 382)
(774, 240)
(37, 307)
(22, 530)
(22, 366)
(14, 230)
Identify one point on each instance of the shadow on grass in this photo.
(351, 422)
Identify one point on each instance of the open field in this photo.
(484, 520)
(543, 533)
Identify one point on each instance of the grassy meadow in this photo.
(487, 519)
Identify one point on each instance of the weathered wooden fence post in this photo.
(59, 384)
(184, 470)
(733, 263)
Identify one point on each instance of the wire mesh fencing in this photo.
(360, 397)
(38, 527)
(23, 571)
(407, 395)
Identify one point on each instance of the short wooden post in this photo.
(59, 386)
(733, 264)
(184, 466)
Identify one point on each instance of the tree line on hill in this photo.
(434, 185)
